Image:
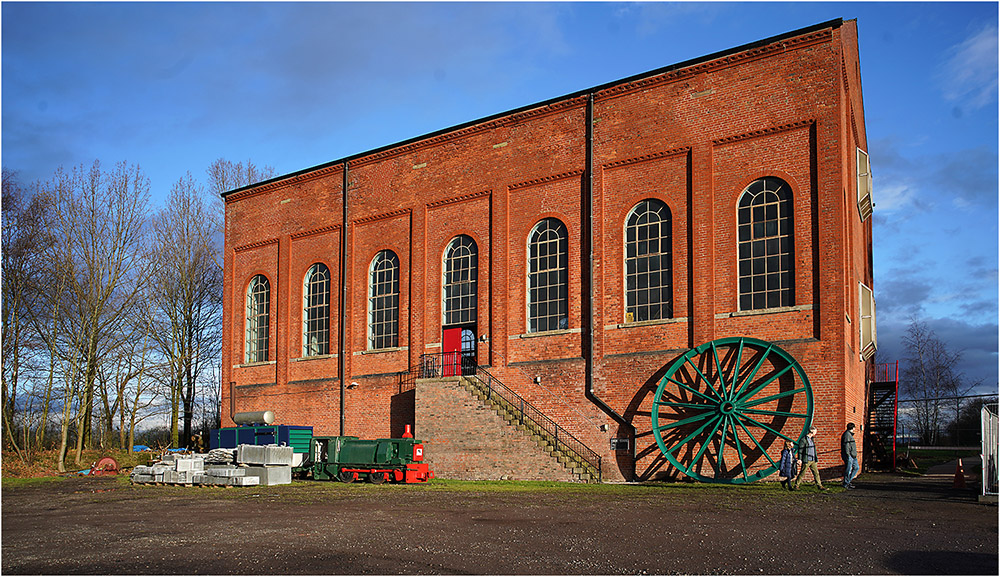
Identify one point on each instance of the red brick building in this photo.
(576, 249)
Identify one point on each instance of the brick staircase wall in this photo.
(467, 438)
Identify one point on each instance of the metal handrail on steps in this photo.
(452, 364)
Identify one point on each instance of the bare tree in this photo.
(100, 216)
(225, 175)
(24, 240)
(186, 295)
(931, 379)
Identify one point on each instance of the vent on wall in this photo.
(864, 185)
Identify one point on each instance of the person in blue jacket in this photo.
(787, 465)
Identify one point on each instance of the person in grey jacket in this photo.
(809, 458)
(849, 453)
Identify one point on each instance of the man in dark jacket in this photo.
(849, 453)
(808, 456)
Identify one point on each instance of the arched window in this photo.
(258, 319)
(649, 293)
(548, 282)
(383, 301)
(316, 311)
(764, 220)
(461, 261)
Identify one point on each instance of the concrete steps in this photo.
(581, 470)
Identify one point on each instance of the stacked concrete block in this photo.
(264, 455)
(272, 464)
(191, 470)
(271, 474)
(245, 466)
(245, 481)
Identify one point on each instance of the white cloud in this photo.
(970, 71)
(893, 196)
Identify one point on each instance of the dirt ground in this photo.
(888, 525)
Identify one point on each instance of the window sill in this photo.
(260, 364)
(545, 334)
(379, 351)
(314, 358)
(647, 323)
(777, 310)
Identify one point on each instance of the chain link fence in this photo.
(943, 421)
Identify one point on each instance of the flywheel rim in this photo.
(715, 398)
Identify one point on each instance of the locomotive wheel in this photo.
(347, 476)
(723, 410)
(376, 478)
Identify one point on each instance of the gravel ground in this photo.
(889, 525)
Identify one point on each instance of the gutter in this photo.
(343, 303)
(588, 196)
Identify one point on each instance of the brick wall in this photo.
(692, 137)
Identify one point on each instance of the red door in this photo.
(451, 346)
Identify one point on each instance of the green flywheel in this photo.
(724, 409)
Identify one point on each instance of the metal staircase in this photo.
(880, 423)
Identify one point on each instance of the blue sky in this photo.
(174, 86)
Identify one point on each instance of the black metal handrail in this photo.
(434, 365)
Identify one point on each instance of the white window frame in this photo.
(865, 204)
(638, 306)
(258, 320)
(383, 301)
(548, 274)
(460, 261)
(868, 332)
(316, 311)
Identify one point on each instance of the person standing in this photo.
(849, 453)
(808, 456)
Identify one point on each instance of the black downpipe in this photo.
(343, 303)
(589, 203)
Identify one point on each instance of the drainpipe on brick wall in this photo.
(343, 302)
(589, 199)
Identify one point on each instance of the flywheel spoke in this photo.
(694, 434)
(739, 451)
(755, 442)
(700, 406)
(775, 413)
(718, 370)
(708, 383)
(705, 445)
(772, 397)
(753, 373)
(767, 382)
(685, 421)
(766, 428)
(692, 391)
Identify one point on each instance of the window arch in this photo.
(764, 238)
(258, 319)
(383, 301)
(649, 293)
(461, 261)
(548, 261)
(316, 311)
